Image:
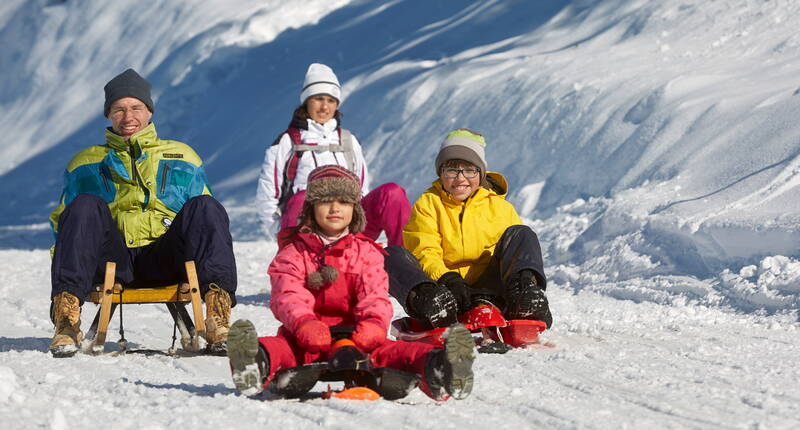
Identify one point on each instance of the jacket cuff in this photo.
(300, 321)
(450, 277)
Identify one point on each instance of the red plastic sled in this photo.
(484, 319)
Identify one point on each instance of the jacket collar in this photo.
(322, 129)
(302, 123)
(144, 138)
(311, 241)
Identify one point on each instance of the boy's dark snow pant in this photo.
(88, 237)
(518, 249)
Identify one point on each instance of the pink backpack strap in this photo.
(291, 165)
(290, 170)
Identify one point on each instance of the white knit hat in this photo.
(320, 79)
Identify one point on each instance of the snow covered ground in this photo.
(654, 353)
(652, 145)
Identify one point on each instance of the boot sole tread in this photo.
(242, 350)
(459, 353)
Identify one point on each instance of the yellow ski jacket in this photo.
(447, 235)
(145, 182)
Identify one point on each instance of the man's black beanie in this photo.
(127, 84)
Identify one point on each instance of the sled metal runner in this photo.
(176, 297)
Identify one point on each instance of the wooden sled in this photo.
(110, 295)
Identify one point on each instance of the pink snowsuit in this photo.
(359, 293)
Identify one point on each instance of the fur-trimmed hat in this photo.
(325, 184)
(320, 79)
(332, 182)
(127, 84)
(463, 144)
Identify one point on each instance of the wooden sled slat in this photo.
(175, 296)
(197, 305)
(168, 294)
(105, 305)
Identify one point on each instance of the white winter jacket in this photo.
(270, 180)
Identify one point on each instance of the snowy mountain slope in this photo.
(59, 54)
(652, 146)
(623, 96)
(681, 115)
(229, 100)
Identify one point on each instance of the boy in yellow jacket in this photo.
(464, 235)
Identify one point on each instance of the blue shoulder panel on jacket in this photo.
(93, 179)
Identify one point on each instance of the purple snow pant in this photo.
(88, 237)
(386, 207)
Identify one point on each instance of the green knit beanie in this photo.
(463, 144)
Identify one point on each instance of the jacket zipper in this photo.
(133, 166)
(105, 180)
(136, 179)
(461, 227)
(164, 179)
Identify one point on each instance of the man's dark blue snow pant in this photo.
(518, 249)
(88, 237)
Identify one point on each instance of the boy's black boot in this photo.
(526, 300)
(432, 304)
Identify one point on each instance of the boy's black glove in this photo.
(460, 289)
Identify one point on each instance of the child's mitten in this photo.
(368, 335)
(313, 335)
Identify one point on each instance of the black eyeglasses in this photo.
(469, 172)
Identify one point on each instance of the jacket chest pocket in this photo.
(174, 180)
(174, 177)
(90, 179)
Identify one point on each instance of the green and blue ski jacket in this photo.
(145, 182)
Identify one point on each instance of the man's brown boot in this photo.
(66, 315)
(218, 319)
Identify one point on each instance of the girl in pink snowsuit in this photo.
(326, 273)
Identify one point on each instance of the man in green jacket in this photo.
(145, 204)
